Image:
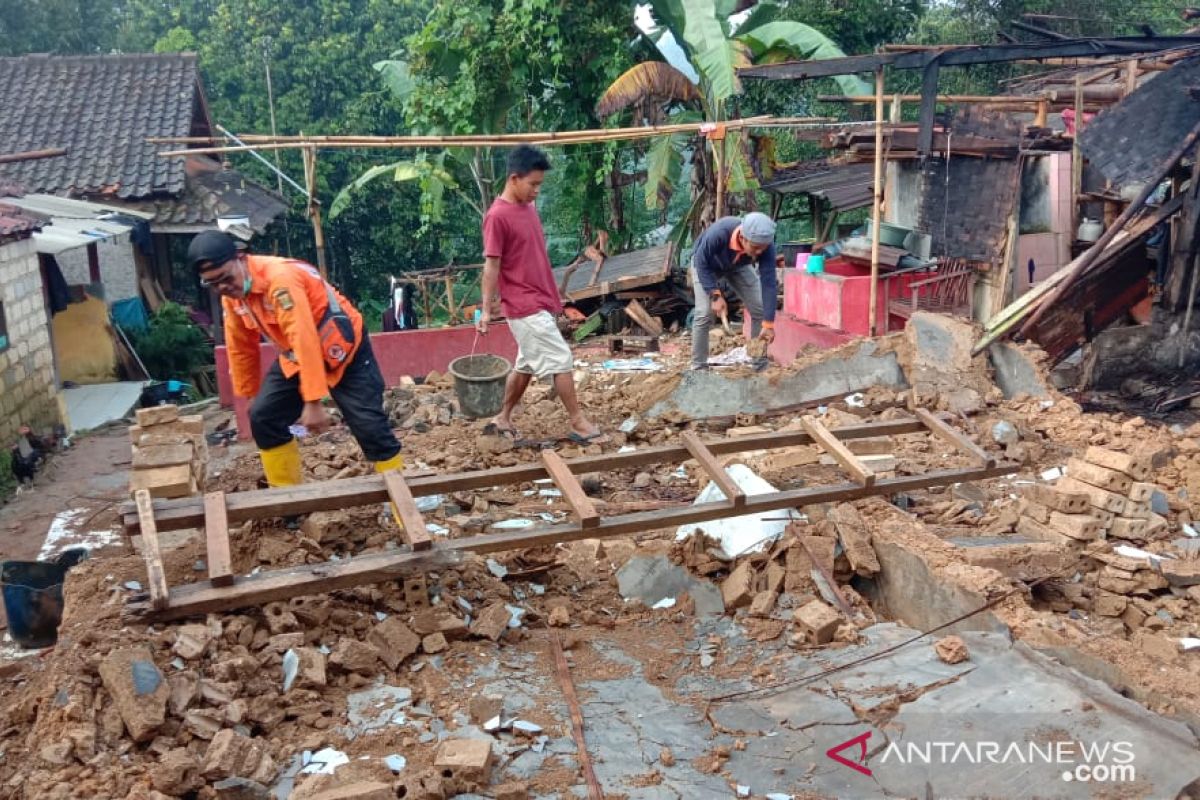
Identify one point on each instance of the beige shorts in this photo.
(541, 348)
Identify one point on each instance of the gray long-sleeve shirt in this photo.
(714, 256)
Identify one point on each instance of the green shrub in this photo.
(173, 347)
(8, 481)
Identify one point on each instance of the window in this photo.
(3, 329)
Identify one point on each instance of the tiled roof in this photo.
(100, 109)
(845, 186)
(1129, 141)
(212, 192)
(14, 223)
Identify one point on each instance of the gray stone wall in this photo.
(28, 394)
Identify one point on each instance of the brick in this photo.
(351, 655)
(773, 578)
(416, 592)
(1056, 498)
(738, 589)
(439, 620)
(162, 455)
(1100, 498)
(359, 790)
(1141, 492)
(1155, 524)
(1032, 529)
(232, 755)
(1133, 617)
(1136, 510)
(822, 549)
(164, 482)
(748, 430)
(872, 446)
(1136, 467)
(311, 674)
(790, 459)
(1181, 572)
(394, 640)
(1084, 527)
(1023, 561)
(1126, 528)
(466, 759)
(1110, 583)
(157, 415)
(1107, 604)
(1033, 510)
(434, 643)
(818, 621)
(138, 689)
(855, 536)
(1100, 477)
(492, 622)
(763, 604)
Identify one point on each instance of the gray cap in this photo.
(758, 228)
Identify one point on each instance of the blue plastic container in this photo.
(815, 264)
(33, 598)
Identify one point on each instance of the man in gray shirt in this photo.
(731, 248)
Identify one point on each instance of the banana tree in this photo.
(713, 47)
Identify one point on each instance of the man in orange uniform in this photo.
(323, 351)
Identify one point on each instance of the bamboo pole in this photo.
(877, 202)
(31, 155)
(863, 99)
(314, 207)
(1077, 157)
(1086, 260)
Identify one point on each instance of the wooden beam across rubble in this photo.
(204, 597)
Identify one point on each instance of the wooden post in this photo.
(216, 537)
(405, 505)
(718, 146)
(156, 576)
(1043, 111)
(314, 206)
(1131, 76)
(877, 205)
(929, 84)
(709, 464)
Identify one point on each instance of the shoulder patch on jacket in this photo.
(283, 299)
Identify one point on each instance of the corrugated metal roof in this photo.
(67, 224)
(619, 272)
(845, 186)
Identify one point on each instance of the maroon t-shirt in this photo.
(512, 232)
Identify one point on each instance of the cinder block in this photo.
(1134, 466)
(1084, 527)
(466, 759)
(1100, 498)
(1055, 498)
(1127, 528)
(157, 415)
(738, 588)
(167, 482)
(818, 621)
(1141, 492)
(1102, 477)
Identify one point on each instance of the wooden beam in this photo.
(188, 512)
(265, 587)
(415, 533)
(825, 439)
(216, 536)
(156, 576)
(958, 439)
(708, 462)
(573, 493)
(642, 317)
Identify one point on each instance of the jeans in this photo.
(745, 282)
(359, 394)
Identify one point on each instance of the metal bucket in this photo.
(479, 383)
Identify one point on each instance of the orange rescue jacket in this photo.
(288, 302)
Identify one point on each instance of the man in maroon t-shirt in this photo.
(517, 272)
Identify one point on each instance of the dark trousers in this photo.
(359, 394)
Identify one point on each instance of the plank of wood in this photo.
(825, 439)
(415, 533)
(595, 792)
(156, 576)
(708, 462)
(332, 495)
(265, 587)
(573, 493)
(642, 317)
(216, 536)
(955, 437)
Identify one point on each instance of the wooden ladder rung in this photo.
(155, 574)
(415, 533)
(708, 462)
(955, 437)
(824, 439)
(572, 491)
(216, 536)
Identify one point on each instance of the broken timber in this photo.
(200, 598)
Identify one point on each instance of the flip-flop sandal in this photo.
(492, 429)
(600, 437)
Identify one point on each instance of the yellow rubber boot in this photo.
(281, 464)
(396, 462)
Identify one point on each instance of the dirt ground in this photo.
(69, 731)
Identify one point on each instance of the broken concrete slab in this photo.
(376, 708)
(654, 578)
(709, 393)
(138, 689)
(1015, 371)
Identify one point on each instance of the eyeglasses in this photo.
(212, 283)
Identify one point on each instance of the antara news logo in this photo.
(1097, 762)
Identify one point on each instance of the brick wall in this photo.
(28, 394)
(967, 212)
